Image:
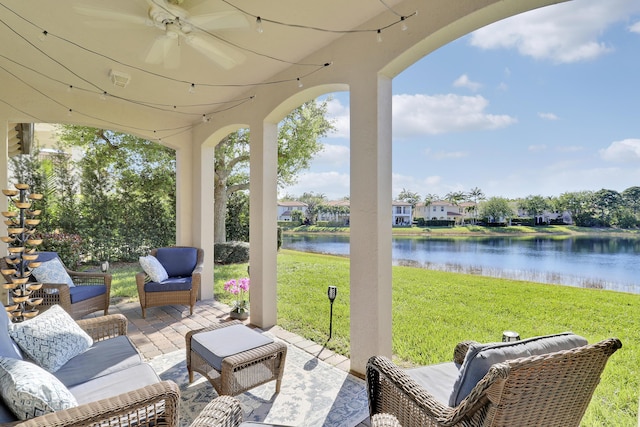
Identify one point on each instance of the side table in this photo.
(234, 358)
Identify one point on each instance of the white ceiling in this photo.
(60, 77)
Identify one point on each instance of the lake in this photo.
(595, 262)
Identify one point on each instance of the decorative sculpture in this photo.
(23, 255)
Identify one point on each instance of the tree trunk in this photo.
(220, 211)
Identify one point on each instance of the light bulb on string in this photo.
(300, 84)
(103, 96)
(70, 88)
(70, 112)
(379, 36)
(403, 25)
(192, 88)
(43, 35)
(204, 118)
(259, 28)
(82, 138)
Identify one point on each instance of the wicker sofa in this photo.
(541, 381)
(110, 381)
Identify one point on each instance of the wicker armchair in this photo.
(182, 286)
(91, 291)
(552, 389)
(152, 405)
(223, 411)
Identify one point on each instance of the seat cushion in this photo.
(51, 339)
(30, 391)
(153, 268)
(178, 262)
(103, 358)
(481, 357)
(116, 383)
(213, 346)
(437, 379)
(171, 284)
(85, 292)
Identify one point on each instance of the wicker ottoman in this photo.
(234, 358)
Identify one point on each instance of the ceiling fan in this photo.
(193, 27)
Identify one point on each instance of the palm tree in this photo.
(476, 195)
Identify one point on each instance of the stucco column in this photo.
(370, 252)
(203, 211)
(263, 223)
(192, 172)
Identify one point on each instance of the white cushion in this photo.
(153, 268)
(51, 339)
(52, 271)
(30, 391)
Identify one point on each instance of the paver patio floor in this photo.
(164, 329)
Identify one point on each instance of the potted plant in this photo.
(239, 288)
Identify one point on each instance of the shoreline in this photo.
(480, 231)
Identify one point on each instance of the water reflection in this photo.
(599, 262)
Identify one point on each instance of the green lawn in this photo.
(433, 310)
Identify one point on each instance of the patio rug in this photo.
(313, 393)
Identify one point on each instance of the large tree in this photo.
(298, 143)
(496, 209)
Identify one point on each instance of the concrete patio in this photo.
(163, 331)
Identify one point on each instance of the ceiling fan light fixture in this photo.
(119, 78)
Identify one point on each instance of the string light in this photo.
(69, 88)
(259, 28)
(379, 36)
(43, 35)
(192, 88)
(403, 25)
(260, 19)
(70, 112)
(103, 96)
(300, 82)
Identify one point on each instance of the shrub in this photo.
(231, 253)
(68, 246)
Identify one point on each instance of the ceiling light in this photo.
(119, 78)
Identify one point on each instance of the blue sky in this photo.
(545, 102)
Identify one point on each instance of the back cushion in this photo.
(481, 357)
(178, 261)
(8, 348)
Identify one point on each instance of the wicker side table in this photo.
(234, 358)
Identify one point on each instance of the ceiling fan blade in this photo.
(220, 20)
(115, 16)
(223, 55)
(164, 50)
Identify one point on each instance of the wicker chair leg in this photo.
(144, 312)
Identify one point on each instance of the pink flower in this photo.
(239, 288)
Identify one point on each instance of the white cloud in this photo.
(340, 115)
(537, 148)
(569, 148)
(440, 155)
(416, 115)
(563, 33)
(635, 28)
(627, 150)
(548, 116)
(333, 156)
(333, 185)
(463, 81)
